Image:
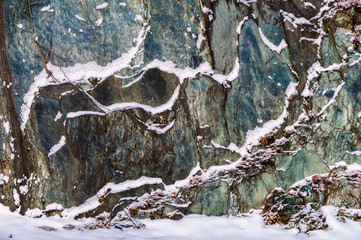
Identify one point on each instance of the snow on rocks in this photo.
(356, 153)
(54, 207)
(47, 9)
(80, 18)
(95, 201)
(278, 49)
(3, 179)
(249, 226)
(102, 6)
(77, 73)
(99, 22)
(57, 146)
(7, 127)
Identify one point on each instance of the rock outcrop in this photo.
(177, 107)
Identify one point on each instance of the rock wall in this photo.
(213, 103)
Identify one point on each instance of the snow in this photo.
(278, 49)
(350, 167)
(93, 202)
(159, 130)
(103, 5)
(153, 110)
(23, 189)
(206, 10)
(47, 9)
(138, 18)
(7, 127)
(308, 4)
(58, 116)
(246, 2)
(54, 206)
(34, 213)
(132, 82)
(76, 73)
(333, 100)
(79, 72)
(3, 179)
(248, 227)
(295, 21)
(223, 79)
(314, 72)
(181, 183)
(57, 146)
(80, 113)
(253, 136)
(20, 26)
(239, 27)
(80, 18)
(356, 153)
(99, 22)
(16, 197)
(200, 39)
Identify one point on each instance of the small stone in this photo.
(69, 227)
(48, 229)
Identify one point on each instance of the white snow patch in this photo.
(278, 49)
(240, 25)
(139, 18)
(253, 136)
(131, 105)
(57, 146)
(20, 26)
(77, 73)
(314, 71)
(3, 179)
(34, 213)
(192, 227)
(103, 5)
(58, 116)
(54, 207)
(223, 79)
(356, 153)
(158, 129)
(200, 39)
(23, 189)
(80, 18)
(246, 2)
(333, 100)
(99, 22)
(350, 167)
(308, 4)
(295, 21)
(16, 198)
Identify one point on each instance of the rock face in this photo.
(213, 103)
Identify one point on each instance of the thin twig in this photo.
(135, 225)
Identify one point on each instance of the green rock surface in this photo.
(219, 101)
